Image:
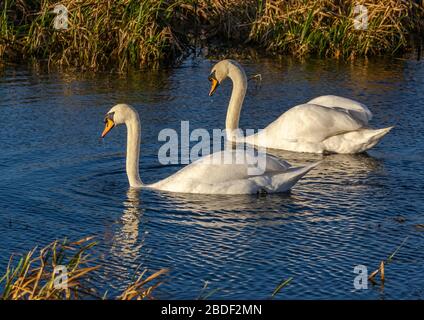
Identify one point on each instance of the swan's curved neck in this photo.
(238, 77)
(133, 151)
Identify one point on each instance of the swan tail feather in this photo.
(283, 182)
(355, 141)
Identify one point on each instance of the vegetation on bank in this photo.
(327, 27)
(124, 33)
(36, 276)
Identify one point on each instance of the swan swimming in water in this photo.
(205, 175)
(326, 124)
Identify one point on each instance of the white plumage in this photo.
(324, 124)
(224, 172)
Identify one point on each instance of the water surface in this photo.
(60, 180)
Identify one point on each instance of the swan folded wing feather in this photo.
(311, 123)
(358, 116)
(205, 176)
(358, 110)
(239, 161)
(271, 183)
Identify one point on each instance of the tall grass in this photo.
(33, 276)
(122, 33)
(99, 33)
(327, 28)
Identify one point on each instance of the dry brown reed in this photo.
(35, 276)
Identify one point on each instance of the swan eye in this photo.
(212, 76)
(109, 123)
(109, 116)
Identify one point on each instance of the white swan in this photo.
(206, 175)
(325, 124)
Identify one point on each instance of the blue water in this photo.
(58, 179)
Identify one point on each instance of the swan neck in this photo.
(133, 151)
(238, 77)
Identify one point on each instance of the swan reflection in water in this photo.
(126, 238)
(337, 172)
(126, 251)
(334, 166)
(316, 191)
(210, 225)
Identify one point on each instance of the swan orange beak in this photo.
(109, 124)
(215, 85)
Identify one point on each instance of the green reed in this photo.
(119, 34)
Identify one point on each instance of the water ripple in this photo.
(59, 181)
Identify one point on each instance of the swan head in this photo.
(119, 114)
(220, 72)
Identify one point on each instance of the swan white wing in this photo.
(207, 176)
(308, 123)
(355, 109)
(227, 165)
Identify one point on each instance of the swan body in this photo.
(209, 174)
(325, 124)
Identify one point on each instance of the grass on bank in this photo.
(33, 277)
(99, 33)
(124, 33)
(327, 27)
